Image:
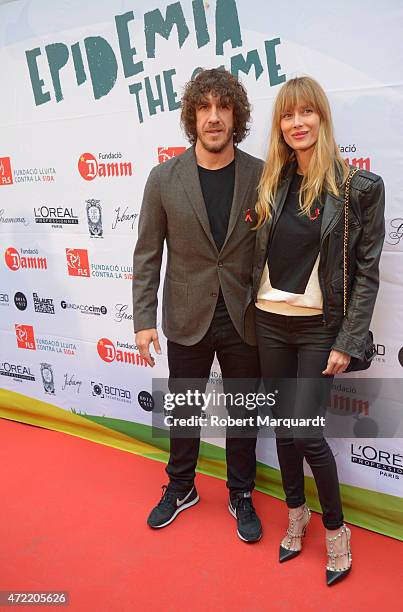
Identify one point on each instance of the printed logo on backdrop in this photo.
(4, 299)
(6, 175)
(108, 352)
(389, 464)
(157, 93)
(112, 271)
(166, 153)
(43, 305)
(90, 309)
(394, 231)
(94, 217)
(71, 382)
(121, 313)
(146, 401)
(56, 346)
(109, 392)
(344, 400)
(354, 158)
(12, 220)
(35, 175)
(28, 260)
(77, 262)
(90, 168)
(380, 354)
(17, 371)
(78, 265)
(24, 175)
(20, 301)
(47, 378)
(57, 217)
(25, 337)
(26, 340)
(124, 216)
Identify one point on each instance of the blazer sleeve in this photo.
(147, 256)
(355, 325)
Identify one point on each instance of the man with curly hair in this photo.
(202, 204)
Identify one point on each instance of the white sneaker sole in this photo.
(233, 513)
(173, 517)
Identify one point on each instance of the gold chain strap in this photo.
(345, 239)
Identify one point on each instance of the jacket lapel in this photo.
(242, 180)
(332, 212)
(189, 177)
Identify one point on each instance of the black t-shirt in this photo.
(218, 190)
(295, 244)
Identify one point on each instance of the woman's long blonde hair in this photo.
(326, 171)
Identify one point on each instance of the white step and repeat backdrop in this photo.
(89, 103)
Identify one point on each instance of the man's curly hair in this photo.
(223, 85)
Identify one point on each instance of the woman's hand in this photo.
(337, 363)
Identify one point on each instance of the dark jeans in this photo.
(293, 353)
(237, 360)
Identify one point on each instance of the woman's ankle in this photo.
(297, 513)
(331, 533)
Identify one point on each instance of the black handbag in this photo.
(355, 364)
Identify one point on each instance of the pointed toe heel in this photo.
(286, 553)
(334, 575)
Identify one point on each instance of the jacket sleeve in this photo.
(355, 325)
(147, 255)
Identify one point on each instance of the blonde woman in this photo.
(304, 338)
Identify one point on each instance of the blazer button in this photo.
(213, 294)
(220, 264)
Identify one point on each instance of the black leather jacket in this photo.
(366, 235)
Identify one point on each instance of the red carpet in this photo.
(73, 518)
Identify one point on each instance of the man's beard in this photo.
(215, 147)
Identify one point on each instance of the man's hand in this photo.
(144, 337)
(337, 363)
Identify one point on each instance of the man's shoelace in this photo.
(167, 497)
(245, 508)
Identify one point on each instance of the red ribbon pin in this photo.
(248, 217)
(316, 215)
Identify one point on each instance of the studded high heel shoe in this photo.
(286, 552)
(334, 575)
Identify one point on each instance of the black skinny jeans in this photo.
(240, 370)
(293, 353)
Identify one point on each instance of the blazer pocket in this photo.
(175, 302)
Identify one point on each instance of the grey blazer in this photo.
(173, 209)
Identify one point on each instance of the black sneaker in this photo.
(169, 506)
(248, 523)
